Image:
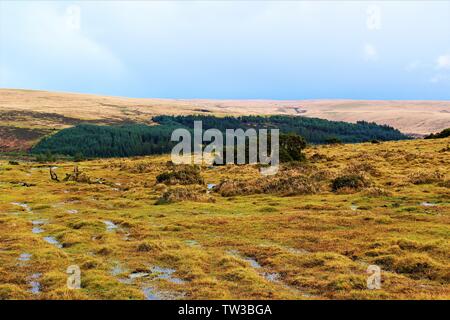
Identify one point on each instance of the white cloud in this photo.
(48, 40)
(370, 52)
(443, 62)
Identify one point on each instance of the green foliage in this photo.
(313, 130)
(291, 146)
(108, 141)
(443, 134)
(86, 140)
(47, 156)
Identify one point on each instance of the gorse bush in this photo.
(291, 146)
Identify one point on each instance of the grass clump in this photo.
(423, 177)
(179, 194)
(285, 184)
(183, 175)
(353, 182)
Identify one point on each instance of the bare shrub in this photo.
(183, 174)
(362, 168)
(179, 193)
(423, 177)
(284, 184)
(349, 183)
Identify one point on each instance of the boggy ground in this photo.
(267, 242)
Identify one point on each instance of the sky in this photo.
(229, 50)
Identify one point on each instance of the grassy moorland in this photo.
(291, 236)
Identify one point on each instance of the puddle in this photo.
(192, 243)
(53, 241)
(270, 276)
(39, 222)
(23, 205)
(117, 269)
(37, 230)
(252, 262)
(73, 211)
(428, 204)
(110, 226)
(25, 257)
(166, 274)
(34, 283)
(211, 186)
(137, 275)
(151, 293)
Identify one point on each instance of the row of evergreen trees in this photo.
(87, 140)
(314, 130)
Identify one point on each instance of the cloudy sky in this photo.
(212, 49)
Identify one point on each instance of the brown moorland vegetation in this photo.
(269, 239)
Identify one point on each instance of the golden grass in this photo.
(257, 246)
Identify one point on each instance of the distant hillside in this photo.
(137, 139)
(28, 115)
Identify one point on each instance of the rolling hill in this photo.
(28, 115)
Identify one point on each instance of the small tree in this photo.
(291, 147)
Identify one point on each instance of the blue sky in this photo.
(241, 50)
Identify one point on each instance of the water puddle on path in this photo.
(166, 274)
(151, 293)
(23, 205)
(192, 243)
(35, 284)
(37, 225)
(110, 226)
(53, 241)
(24, 257)
(274, 277)
(428, 204)
(37, 230)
